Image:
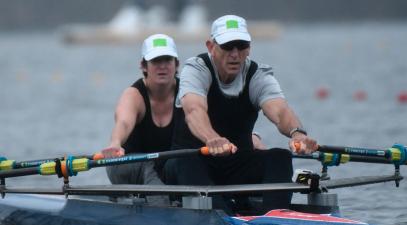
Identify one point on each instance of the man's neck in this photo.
(227, 78)
(160, 92)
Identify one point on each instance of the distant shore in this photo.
(50, 14)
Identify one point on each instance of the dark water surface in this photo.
(58, 99)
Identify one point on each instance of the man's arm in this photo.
(196, 116)
(278, 111)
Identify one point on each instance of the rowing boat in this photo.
(39, 209)
(77, 209)
(124, 204)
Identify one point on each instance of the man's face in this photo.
(229, 57)
(161, 69)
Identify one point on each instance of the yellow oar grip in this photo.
(77, 166)
(47, 168)
(328, 157)
(7, 164)
(345, 158)
(332, 158)
(80, 164)
(395, 154)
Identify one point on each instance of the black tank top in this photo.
(146, 137)
(231, 117)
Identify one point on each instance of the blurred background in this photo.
(341, 64)
(48, 14)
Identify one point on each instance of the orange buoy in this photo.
(322, 93)
(360, 96)
(402, 97)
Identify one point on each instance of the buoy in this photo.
(322, 93)
(360, 96)
(402, 97)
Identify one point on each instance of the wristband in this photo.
(299, 130)
(256, 134)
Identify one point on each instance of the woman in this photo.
(144, 116)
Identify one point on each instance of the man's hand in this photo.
(220, 146)
(302, 144)
(113, 152)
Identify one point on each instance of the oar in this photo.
(9, 164)
(397, 154)
(335, 159)
(70, 166)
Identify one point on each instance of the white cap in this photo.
(158, 45)
(229, 28)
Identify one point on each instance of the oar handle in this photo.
(204, 150)
(97, 156)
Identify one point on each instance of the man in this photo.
(221, 93)
(144, 116)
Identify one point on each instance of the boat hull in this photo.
(58, 210)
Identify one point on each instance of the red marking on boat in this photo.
(299, 216)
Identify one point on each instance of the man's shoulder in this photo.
(263, 69)
(195, 60)
(264, 66)
(260, 66)
(197, 63)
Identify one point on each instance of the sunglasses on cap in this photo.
(240, 45)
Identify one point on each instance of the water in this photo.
(58, 99)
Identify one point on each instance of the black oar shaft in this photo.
(32, 163)
(131, 158)
(352, 158)
(19, 172)
(369, 159)
(353, 151)
(397, 154)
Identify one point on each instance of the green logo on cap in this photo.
(232, 24)
(159, 42)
